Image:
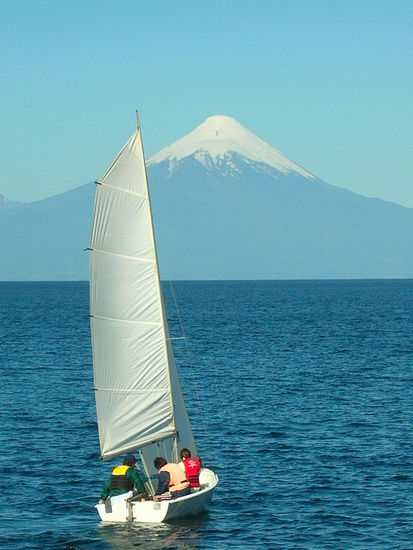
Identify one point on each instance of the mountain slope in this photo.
(226, 206)
(5, 203)
(44, 240)
(255, 227)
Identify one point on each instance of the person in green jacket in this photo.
(123, 478)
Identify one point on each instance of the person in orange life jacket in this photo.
(123, 479)
(171, 479)
(191, 466)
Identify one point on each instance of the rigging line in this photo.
(152, 441)
(191, 365)
(147, 471)
(122, 189)
(194, 378)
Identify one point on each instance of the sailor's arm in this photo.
(163, 484)
(134, 476)
(105, 490)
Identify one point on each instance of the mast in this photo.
(160, 292)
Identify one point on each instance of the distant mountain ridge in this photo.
(226, 206)
(5, 203)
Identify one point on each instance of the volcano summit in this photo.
(217, 141)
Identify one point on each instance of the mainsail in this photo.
(139, 401)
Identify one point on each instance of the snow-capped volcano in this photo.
(226, 205)
(217, 143)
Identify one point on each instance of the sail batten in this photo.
(122, 190)
(121, 390)
(135, 258)
(138, 396)
(144, 323)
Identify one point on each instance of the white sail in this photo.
(139, 400)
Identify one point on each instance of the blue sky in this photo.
(328, 83)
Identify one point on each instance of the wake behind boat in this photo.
(139, 401)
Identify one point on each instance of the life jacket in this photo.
(177, 480)
(120, 480)
(192, 469)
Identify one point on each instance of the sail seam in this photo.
(134, 258)
(148, 323)
(122, 189)
(131, 391)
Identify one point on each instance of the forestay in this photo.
(139, 400)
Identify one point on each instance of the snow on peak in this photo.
(217, 137)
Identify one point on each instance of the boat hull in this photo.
(156, 512)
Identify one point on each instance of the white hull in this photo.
(156, 512)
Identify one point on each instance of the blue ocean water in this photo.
(300, 395)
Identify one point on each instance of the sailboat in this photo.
(139, 402)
